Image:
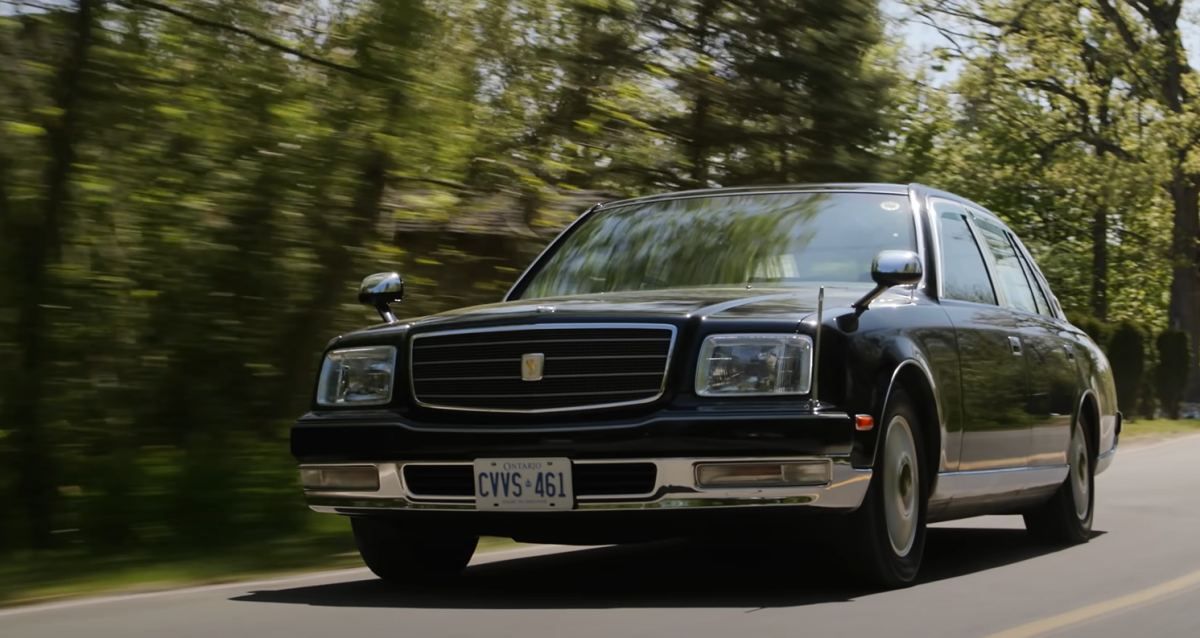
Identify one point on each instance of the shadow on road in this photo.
(674, 574)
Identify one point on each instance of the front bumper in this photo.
(675, 488)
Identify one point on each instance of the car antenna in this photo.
(817, 346)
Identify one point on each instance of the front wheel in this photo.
(400, 553)
(890, 525)
(1067, 517)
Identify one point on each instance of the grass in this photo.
(1151, 428)
(30, 578)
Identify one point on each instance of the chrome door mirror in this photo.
(891, 268)
(379, 291)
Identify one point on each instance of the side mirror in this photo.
(891, 268)
(379, 291)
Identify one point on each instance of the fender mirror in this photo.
(891, 268)
(381, 290)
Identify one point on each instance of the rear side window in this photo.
(964, 273)
(1041, 290)
(1009, 269)
(1043, 305)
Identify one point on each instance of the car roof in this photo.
(866, 187)
(861, 187)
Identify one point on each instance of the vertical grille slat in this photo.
(585, 366)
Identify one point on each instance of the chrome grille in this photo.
(585, 366)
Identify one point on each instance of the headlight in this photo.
(357, 376)
(754, 365)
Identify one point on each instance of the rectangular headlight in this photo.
(357, 376)
(754, 365)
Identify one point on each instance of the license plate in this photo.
(523, 484)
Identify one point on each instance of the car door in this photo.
(1053, 370)
(1049, 369)
(992, 371)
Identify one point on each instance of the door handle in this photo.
(1015, 344)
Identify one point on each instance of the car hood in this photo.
(784, 304)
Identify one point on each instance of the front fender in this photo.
(883, 364)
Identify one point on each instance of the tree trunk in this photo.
(37, 247)
(1184, 312)
(698, 134)
(1100, 263)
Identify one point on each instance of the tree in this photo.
(34, 234)
(1127, 353)
(1174, 362)
(763, 95)
(1154, 63)
(189, 191)
(1048, 134)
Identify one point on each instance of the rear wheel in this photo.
(1067, 517)
(400, 553)
(890, 524)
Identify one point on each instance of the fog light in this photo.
(358, 478)
(789, 474)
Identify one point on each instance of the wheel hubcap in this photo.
(1080, 473)
(901, 485)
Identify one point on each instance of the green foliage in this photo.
(1174, 362)
(1127, 354)
(190, 191)
(1039, 125)
(1099, 331)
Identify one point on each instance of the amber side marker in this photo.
(864, 422)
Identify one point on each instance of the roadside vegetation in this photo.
(1158, 428)
(189, 192)
(325, 543)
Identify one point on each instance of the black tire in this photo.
(879, 559)
(399, 554)
(1062, 520)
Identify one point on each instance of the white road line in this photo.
(334, 574)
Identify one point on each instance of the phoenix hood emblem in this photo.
(532, 364)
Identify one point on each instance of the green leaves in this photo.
(24, 129)
(1041, 126)
(235, 165)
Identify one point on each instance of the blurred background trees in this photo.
(189, 192)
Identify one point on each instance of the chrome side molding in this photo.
(978, 483)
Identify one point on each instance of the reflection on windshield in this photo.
(727, 240)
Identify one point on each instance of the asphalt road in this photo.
(1140, 575)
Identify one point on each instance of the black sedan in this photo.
(865, 357)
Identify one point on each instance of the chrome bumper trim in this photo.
(675, 488)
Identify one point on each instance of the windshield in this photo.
(770, 240)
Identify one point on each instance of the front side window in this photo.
(1009, 270)
(964, 272)
(727, 240)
